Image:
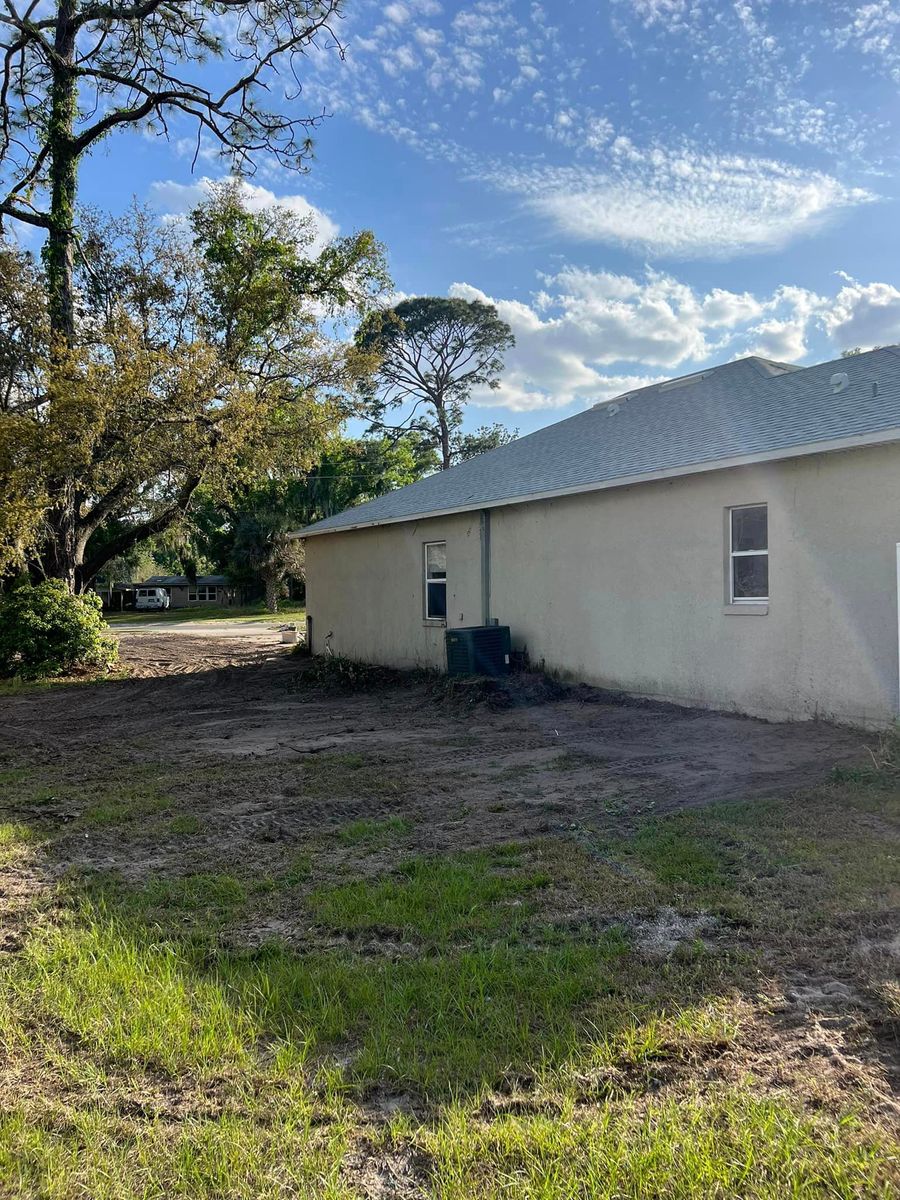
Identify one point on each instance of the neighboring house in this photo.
(727, 539)
(207, 589)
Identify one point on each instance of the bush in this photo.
(45, 631)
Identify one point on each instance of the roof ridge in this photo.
(748, 410)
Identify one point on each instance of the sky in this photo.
(642, 187)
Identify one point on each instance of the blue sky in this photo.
(642, 186)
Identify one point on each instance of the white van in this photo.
(151, 597)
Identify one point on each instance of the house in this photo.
(728, 539)
(206, 589)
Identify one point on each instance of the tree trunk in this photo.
(271, 581)
(444, 429)
(59, 558)
(63, 171)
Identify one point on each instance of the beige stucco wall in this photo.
(626, 588)
(366, 587)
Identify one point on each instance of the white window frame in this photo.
(208, 595)
(733, 554)
(426, 581)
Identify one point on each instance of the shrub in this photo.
(45, 631)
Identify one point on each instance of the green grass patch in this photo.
(298, 871)
(121, 809)
(14, 837)
(185, 824)
(191, 893)
(678, 856)
(376, 831)
(436, 899)
(729, 1144)
(267, 1153)
(507, 989)
(287, 611)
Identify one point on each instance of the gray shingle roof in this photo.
(751, 408)
(183, 581)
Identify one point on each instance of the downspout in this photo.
(485, 524)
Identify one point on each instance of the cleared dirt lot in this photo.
(265, 938)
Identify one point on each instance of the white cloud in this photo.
(864, 315)
(874, 30)
(587, 336)
(398, 13)
(682, 203)
(177, 199)
(592, 320)
(671, 14)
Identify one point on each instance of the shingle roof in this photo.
(183, 581)
(751, 409)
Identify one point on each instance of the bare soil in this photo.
(268, 761)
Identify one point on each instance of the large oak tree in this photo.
(204, 359)
(73, 73)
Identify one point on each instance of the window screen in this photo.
(749, 554)
(436, 581)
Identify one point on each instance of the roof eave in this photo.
(829, 445)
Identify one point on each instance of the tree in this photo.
(204, 360)
(484, 438)
(262, 540)
(432, 352)
(245, 535)
(352, 470)
(73, 73)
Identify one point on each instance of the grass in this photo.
(502, 996)
(727, 1144)
(185, 825)
(14, 837)
(287, 611)
(259, 1153)
(374, 832)
(435, 899)
(21, 687)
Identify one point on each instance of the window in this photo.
(749, 554)
(202, 594)
(436, 581)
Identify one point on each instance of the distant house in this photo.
(728, 539)
(206, 589)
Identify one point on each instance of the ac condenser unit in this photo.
(478, 650)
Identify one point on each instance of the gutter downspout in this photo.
(485, 530)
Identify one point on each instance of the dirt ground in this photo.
(220, 706)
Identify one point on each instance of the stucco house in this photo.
(728, 539)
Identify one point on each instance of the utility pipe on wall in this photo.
(485, 530)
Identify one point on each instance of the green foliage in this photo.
(201, 365)
(46, 631)
(262, 541)
(484, 438)
(353, 470)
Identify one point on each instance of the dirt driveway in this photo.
(167, 647)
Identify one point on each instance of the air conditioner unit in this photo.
(478, 650)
